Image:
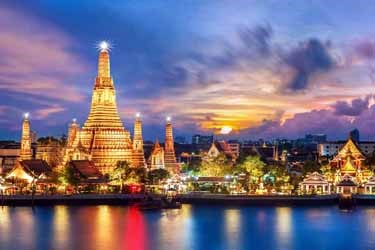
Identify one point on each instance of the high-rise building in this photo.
(26, 153)
(169, 153)
(103, 133)
(138, 153)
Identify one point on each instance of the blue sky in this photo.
(265, 68)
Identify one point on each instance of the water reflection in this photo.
(61, 225)
(104, 230)
(232, 225)
(175, 228)
(284, 226)
(135, 236)
(5, 224)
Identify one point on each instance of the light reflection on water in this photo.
(192, 227)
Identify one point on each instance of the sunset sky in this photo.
(268, 69)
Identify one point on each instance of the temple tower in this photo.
(156, 159)
(26, 153)
(103, 133)
(138, 154)
(73, 134)
(169, 154)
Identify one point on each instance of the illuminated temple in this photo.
(103, 140)
(350, 163)
(103, 137)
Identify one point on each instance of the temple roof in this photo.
(86, 169)
(350, 148)
(33, 168)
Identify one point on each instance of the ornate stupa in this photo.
(26, 153)
(138, 153)
(103, 133)
(169, 153)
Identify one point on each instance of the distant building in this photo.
(202, 139)
(330, 149)
(221, 147)
(315, 138)
(234, 146)
(180, 139)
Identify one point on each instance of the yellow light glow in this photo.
(225, 130)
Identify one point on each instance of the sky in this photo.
(268, 69)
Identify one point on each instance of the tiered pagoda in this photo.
(169, 154)
(26, 153)
(103, 133)
(138, 153)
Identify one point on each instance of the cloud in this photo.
(307, 59)
(353, 108)
(35, 58)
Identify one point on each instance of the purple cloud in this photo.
(353, 108)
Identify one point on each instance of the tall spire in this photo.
(169, 143)
(169, 155)
(103, 135)
(103, 64)
(103, 111)
(73, 133)
(138, 154)
(25, 153)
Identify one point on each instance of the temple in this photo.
(103, 135)
(26, 153)
(350, 161)
(169, 154)
(138, 153)
(156, 159)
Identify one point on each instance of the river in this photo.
(192, 227)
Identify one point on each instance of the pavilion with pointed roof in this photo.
(350, 161)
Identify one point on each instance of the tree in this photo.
(310, 167)
(123, 173)
(68, 176)
(217, 167)
(253, 166)
(157, 175)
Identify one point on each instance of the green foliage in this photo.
(157, 175)
(310, 167)
(253, 166)
(123, 173)
(217, 167)
(68, 176)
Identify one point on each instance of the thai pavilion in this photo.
(315, 183)
(350, 161)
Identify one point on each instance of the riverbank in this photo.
(80, 199)
(206, 199)
(253, 200)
